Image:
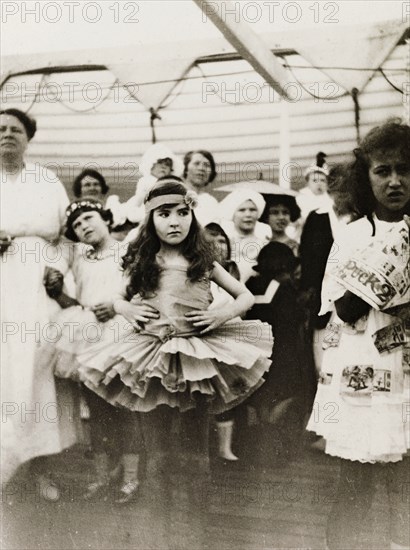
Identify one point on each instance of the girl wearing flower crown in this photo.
(178, 353)
(90, 317)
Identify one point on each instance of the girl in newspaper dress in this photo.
(363, 393)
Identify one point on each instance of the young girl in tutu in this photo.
(178, 354)
(90, 317)
(361, 406)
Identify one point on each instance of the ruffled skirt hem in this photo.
(157, 395)
(146, 372)
(371, 431)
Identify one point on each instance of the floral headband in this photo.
(79, 205)
(190, 199)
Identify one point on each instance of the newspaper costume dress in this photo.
(364, 389)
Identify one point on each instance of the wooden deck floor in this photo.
(251, 507)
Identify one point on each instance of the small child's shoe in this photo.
(128, 492)
(96, 490)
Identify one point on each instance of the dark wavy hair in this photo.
(338, 187)
(207, 155)
(286, 200)
(390, 136)
(93, 174)
(231, 267)
(105, 214)
(30, 125)
(216, 230)
(140, 261)
(275, 258)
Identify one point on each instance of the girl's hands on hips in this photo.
(136, 312)
(210, 319)
(104, 312)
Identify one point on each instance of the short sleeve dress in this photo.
(169, 363)
(32, 207)
(363, 394)
(98, 278)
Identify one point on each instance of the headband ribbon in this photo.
(190, 199)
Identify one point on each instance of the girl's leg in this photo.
(156, 433)
(398, 485)
(224, 426)
(190, 485)
(102, 424)
(103, 443)
(130, 481)
(195, 437)
(156, 429)
(130, 440)
(351, 505)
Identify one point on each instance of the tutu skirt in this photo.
(144, 370)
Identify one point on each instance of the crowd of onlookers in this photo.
(283, 236)
(280, 245)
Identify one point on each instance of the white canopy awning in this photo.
(340, 52)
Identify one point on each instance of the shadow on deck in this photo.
(259, 503)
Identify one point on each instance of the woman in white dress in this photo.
(362, 402)
(33, 203)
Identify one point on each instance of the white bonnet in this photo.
(312, 169)
(160, 151)
(231, 203)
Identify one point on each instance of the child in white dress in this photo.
(363, 391)
(90, 317)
